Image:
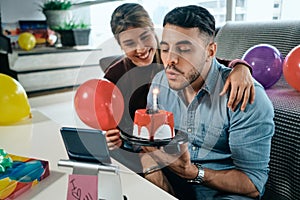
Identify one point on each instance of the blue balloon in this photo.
(266, 62)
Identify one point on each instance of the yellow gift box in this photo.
(24, 173)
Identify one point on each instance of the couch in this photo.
(233, 39)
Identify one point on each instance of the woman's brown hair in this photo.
(131, 15)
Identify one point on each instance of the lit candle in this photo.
(155, 91)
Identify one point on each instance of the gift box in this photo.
(22, 175)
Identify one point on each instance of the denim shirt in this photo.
(218, 137)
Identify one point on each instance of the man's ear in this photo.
(212, 49)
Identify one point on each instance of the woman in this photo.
(134, 31)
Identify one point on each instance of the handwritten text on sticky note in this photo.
(82, 187)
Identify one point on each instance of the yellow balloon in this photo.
(14, 105)
(26, 41)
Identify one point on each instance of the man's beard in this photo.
(192, 76)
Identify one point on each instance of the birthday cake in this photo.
(153, 125)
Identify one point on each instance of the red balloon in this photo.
(291, 68)
(99, 104)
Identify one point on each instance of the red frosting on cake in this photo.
(153, 121)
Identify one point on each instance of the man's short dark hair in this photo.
(192, 17)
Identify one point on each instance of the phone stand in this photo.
(109, 182)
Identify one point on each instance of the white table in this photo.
(40, 138)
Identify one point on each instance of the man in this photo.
(228, 152)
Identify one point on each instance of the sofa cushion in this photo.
(235, 38)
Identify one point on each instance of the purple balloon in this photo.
(266, 62)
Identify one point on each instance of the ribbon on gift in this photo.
(5, 161)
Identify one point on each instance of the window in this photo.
(240, 17)
(242, 10)
(240, 3)
(268, 9)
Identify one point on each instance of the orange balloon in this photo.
(99, 104)
(291, 68)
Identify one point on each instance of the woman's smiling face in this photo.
(139, 45)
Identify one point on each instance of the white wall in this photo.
(258, 10)
(14, 10)
(290, 9)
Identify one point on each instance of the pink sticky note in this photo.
(82, 187)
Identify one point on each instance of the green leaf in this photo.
(56, 5)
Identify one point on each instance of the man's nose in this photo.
(172, 58)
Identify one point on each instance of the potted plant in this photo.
(57, 12)
(74, 33)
